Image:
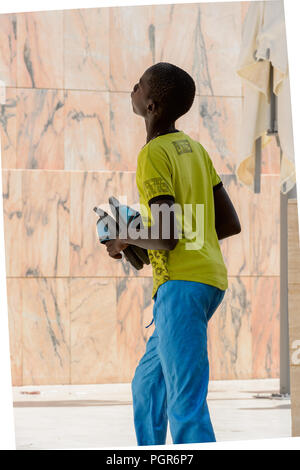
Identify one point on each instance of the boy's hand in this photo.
(114, 247)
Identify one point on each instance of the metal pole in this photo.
(284, 323)
(284, 307)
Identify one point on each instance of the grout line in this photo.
(53, 170)
(131, 277)
(110, 91)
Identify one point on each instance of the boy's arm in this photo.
(156, 231)
(226, 219)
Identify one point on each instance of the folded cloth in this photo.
(263, 29)
(108, 229)
(127, 217)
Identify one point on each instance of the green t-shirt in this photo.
(176, 166)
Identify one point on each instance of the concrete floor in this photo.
(89, 416)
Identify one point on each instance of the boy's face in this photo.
(140, 97)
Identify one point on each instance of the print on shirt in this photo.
(182, 146)
(159, 262)
(156, 186)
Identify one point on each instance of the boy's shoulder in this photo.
(172, 148)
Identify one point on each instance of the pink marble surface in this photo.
(190, 122)
(36, 222)
(264, 228)
(40, 129)
(89, 189)
(13, 221)
(243, 334)
(133, 28)
(8, 49)
(46, 331)
(236, 249)
(265, 321)
(185, 34)
(40, 49)
(244, 10)
(270, 158)
(86, 41)
(93, 321)
(127, 132)
(15, 323)
(70, 139)
(134, 313)
(86, 131)
(219, 124)
(229, 333)
(8, 129)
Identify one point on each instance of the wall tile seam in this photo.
(108, 91)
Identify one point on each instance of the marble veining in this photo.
(70, 139)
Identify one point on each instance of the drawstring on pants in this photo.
(150, 323)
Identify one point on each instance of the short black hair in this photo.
(171, 88)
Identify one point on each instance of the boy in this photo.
(189, 282)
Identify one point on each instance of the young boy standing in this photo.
(189, 279)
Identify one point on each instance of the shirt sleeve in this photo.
(215, 178)
(156, 175)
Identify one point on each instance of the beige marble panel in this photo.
(13, 221)
(294, 308)
(127, 130)
(236, 249)
(40, 49)
(46, 331)
(185, 35)
(8, 49)
(40, 129)
(8, 129)
(294, 341)
(87, 256)
(132, 27)
(270, 158)
(86, 49)
(295, 394)
(46, 231)
(127, 188)
(219, 129)
(244, 10)
(14, 308)
(93, 331)
(229, 333)
(134, 313)
(89, 189)
(86, 131)
(222, 32)
(264, 229)
(179, 41)
(293, 242)
(190, 122)
(265, 321)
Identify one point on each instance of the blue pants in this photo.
(171, 379)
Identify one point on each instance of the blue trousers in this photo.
(171, 379)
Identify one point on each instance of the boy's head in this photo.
(170, 88)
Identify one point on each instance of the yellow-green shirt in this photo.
(176, 166)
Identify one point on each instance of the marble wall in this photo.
(69, 139)
(294, 307)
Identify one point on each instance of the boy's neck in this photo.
(152, 133)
